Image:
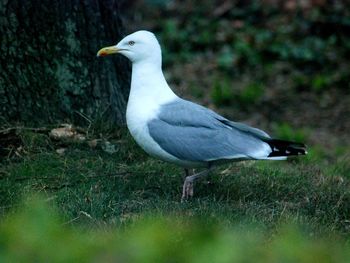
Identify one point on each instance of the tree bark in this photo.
(49, 71)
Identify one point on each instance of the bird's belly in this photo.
(139, 131)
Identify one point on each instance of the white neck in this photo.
(148, 84)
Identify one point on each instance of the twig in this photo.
(87, 119)
(84, 117)
(76, 218)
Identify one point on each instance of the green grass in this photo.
(89, 185)
(37, 233)
(127, 201)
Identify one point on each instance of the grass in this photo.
(36, 233)
(91, 186)
(86, 203)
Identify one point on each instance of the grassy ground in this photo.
(97, 187)
(116, 204)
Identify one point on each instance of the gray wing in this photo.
(194, 133)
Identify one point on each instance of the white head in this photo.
(141, 46)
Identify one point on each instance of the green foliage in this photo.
(226, 58)
(36, 233)
(251, 93)
(320, 82)
(249, 38)
(222, 93)
(287, 132)
(247, 53)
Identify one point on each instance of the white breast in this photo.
(137, 117)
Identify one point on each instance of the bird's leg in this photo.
(187, 189)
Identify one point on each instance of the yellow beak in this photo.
(107, 51)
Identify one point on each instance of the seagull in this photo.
(179, 131)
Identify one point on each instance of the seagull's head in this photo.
(139, 46)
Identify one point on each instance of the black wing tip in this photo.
(286, 148)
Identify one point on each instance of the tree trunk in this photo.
(49, 71)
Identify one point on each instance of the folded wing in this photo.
(194, 133)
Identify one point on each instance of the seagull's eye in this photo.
(131, 43)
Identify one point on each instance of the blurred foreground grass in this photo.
(117, 204)
(36, 233)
